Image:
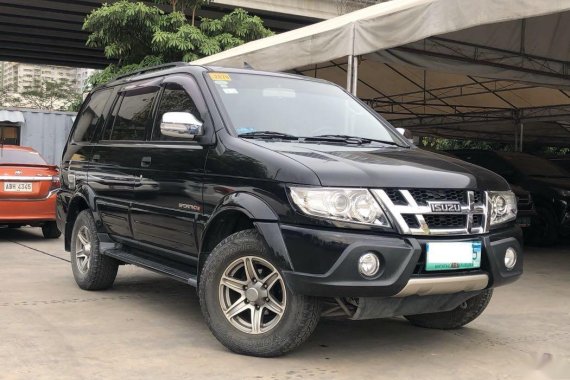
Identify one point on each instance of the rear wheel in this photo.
(91, 269)
(246, 302)
(463, 314)
(50, 230)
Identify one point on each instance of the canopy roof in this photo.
(454, 68)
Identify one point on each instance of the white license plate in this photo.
(18, 187)
(453, 255)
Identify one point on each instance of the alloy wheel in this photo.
(252, 295)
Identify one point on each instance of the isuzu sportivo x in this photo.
(283, 199)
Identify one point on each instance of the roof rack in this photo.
(152, 68)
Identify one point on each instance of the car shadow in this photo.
(332, 338)
(21, 234)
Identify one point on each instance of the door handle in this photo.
(145, 162)
(96, 157)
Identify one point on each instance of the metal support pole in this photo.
(516, 138)
(521, 138)
(352, 74)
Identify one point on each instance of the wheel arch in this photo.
(83, 199)
(240, 211)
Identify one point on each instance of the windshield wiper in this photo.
(350, 139)
(267, 135)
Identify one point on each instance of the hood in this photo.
(368, 166)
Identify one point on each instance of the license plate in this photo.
(23, 187)
(453, 255)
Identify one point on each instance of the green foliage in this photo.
(5, 98)
(140, 35)
(438, 143)
(183, 5)
(49, 95)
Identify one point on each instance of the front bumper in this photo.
(325, 263)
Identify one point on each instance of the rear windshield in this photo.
(9, 156)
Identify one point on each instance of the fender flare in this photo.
(87, 195)
(264, 219)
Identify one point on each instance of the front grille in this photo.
(445, 221)
(422, 196)
(477, 220)
(396, 197)
(411, 220)
(418, 217)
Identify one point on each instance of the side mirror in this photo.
(181, 125)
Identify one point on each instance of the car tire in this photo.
(456, 318)
(274, 334)
(91, 269)
(544, 227)
(50, 230)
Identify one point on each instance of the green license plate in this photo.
(453, 255)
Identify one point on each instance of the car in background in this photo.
(561, 161)
(28, 190)
(548, 184)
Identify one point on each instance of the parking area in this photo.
(149, 326)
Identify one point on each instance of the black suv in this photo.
(282, 199)
(548, 184)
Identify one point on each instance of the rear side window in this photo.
(91, 115)
(9, 156)
(132, 115)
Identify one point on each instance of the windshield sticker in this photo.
(230, 90)
(221, 83)
(220, 76)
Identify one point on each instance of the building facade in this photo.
(17, 76)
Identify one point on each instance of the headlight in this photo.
(503, 206)
(347, 205)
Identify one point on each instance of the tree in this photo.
(6, 99)
(138, 35)
(182, 5)
(49, 95)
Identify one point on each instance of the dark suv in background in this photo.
(283, 199)
(548, 184)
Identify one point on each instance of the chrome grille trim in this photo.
(395, 212)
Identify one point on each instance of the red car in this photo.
(28, 187)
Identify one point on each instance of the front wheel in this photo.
(463, 314)
(246, 302)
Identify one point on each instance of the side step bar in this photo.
(188, 277)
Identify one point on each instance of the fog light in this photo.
(368, 264)
(510, 258)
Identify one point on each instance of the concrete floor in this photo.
(150, 327)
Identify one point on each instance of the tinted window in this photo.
(91, 114)
(491, 162)
(131, 115)
(295, 106)
(174, 99)
(9, 156)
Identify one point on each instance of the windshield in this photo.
(23, 157)
(296, 107)
(535, 166)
